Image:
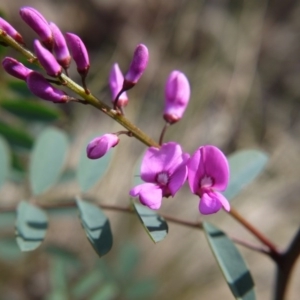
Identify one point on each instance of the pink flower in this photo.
(137, 66)
(99, 146)
(47, 60)
(39, 24)
(164, 170)
(11, 31)
(40, 87)
(177, 95)
(116, 80)
(15, 68)
(208, 173)
(79, 52)
(60, 47)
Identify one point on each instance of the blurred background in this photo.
(243, 62)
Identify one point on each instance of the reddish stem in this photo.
(129, 209)
(161, 138)
(274, 253)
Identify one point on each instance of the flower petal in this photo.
(149, 194)
(100, 145)
(195, 170)
(225, 203)
(209, 204)
(179, 177)
(134, 192)
(215, 166)
(157, 160)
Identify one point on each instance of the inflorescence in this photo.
(164, 170)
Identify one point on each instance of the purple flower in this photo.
(60, 47)
(39, 24)
(164, 170)
(99, 146)
(177, 95)
(15, 68)
(116, 80)
(208, 172)
(137, 67)
(47, 60)
(12, 32)
(41, 88)
(79, 52)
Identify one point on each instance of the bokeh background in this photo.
(243, 62)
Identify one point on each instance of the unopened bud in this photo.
(177, 95)
(79, 53)
(116, 80)
(15, 68)
(47, 60)
(137, 67)
(60, 47)
(41, 88)
(99, 146)
(39, 24)
(12, 32)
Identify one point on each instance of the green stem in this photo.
(90, 99)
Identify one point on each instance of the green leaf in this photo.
(62, 211)
(67, 176)
(154, 224)
(142, 289)
(47, 159)
(31, 226)
(127, 260)
(16, 136)
(109, 291)
(96, 226)
(90, 171)
(4, 160)
(7, 218)
(68, 257)
(17, 162)
(9, 249)
(18, 172)
(20, 87)
(245, 166)
(232, 264)
(31, 110)
(86, 284)
(58, 279)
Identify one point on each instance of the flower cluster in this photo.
(164, 169)
(52, 53)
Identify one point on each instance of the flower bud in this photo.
(99, 146)
(137, 66)
(79, 53)
(12, 32)
(116, 80)
(177, 95)
(39, 24)
(47, 60)
(60, 47)
(41, 88)
(15, 68)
